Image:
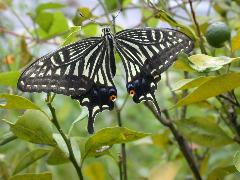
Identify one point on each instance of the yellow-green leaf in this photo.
(9, 101)
(9, 78)
(203, 131)
(221, 172)
(30, 158)
(236, 42)
(212, 87)
(190, 83)
(203, 62)
(90, 30)
(236, 160)
(56, 157)
(166, 171)
(107, 137)
(182, 63)
(49, 5)
(163, 15)
(161, 140)
(95, 171)
(81, 15)
(31, 176)
(35, 127)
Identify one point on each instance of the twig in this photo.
(184, 94)
(229, 100)
(180, 140)
(203, 50)
(65, 138)
(174, 95)
(123, 156)
(20, 20)
(7, 140)
(105, 10)
(3, 30)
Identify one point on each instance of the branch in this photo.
(3, 30)
(65, 138)
(203, 50)
(180, 140)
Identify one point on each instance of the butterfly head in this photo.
(141, 89)
(106, 31)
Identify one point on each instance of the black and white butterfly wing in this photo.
(61, 71)
(146, 53)
(82, 70)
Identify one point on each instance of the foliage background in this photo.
(30, 29)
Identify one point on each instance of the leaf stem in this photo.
(65, 138)
(180, 140)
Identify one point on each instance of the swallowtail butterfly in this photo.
(85, 69)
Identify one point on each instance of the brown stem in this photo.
(180, 140)
(65, 138)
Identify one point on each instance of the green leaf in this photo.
(76, 150)
(59, 24)
(50, 5)
(221, 172)
(82, 14)
(44, 20)
(56, 157)
(190, 83)
(203, 131)
(30, 176)
(236, 160)
(107, 137)
(35, 127)
(152, 22)
(213, 87)
(203, 62)
(61, 144)
(72, 35)
(10, 101)
(51, 24)
(161, 140)
(9, 78)
(30, 158)
(112, 5)
(90, 30)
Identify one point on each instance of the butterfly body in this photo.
(85, 69)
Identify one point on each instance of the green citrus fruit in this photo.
(217, 34)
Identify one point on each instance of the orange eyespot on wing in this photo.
(132, 92)
(113, 98)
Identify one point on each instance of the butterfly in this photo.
(85, 69)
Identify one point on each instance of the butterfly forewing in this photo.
(66, 71)
(150, 50)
